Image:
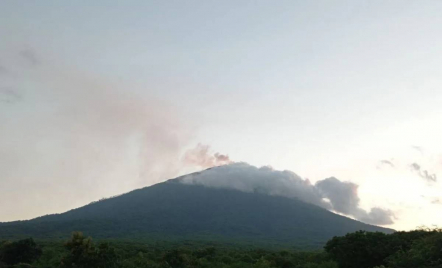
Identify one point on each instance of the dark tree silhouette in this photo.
(84, 254)
(22, 251)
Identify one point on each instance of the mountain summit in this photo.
(185, 209)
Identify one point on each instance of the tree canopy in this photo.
(414, 249)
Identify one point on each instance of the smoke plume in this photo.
(67, 134)
(331, 193)
(201, 156)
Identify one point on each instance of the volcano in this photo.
(177, 211)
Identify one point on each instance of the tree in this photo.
(107, 257)
(23, 265)
(424, 253)
(23, 251)
(84, 254)
(175, 259)
(359, 250)
(366, 250)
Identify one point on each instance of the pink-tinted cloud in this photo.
(202, 157)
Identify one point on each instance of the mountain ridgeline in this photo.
(173, 211)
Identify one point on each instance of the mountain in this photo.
(175, 211)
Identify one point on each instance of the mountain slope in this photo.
(172, 210)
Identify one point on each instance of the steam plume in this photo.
(201, 156)
(331, 193)
(344, 198)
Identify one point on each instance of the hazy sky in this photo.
(100, 97)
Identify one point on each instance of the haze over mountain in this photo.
(230, 203)
(98, 100)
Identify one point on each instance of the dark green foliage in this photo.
(415, 249)
(424, 253)
(22, 251)
(23, 265)
(359, 250)
(83, 254)
(401, 249)
(172, 211)
(176, 258)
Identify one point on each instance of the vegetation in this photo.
(422, 248)
(23, 251)
(173, 211)
(415, 249)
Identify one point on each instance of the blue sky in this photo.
(323, 88)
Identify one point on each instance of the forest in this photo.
(414, 249)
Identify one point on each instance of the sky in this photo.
(99, 98)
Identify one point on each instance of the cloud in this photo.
(201, 156)
(3, 70)
(423, 173)
(415, 166)
(385, 163)
(377, 216)
(30, 56)
(344, 199)
(418, 148)
(331, 193)
(9, 95)
(342, 195)
(436, 201)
